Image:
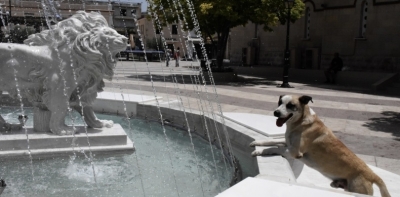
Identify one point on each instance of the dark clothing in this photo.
(336, 64)
(167, 59)
(177, 56)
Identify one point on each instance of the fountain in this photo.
(178, 151)
(43, 63)
(58, 70)
(61, 70)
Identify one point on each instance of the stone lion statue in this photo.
(61, 69)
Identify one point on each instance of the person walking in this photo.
(336, 66)
(177, 56)
(167, 56)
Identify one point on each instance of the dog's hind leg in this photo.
(340, 183)
(360, 185)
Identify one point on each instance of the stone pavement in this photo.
(368, 124)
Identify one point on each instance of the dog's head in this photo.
(290, 108)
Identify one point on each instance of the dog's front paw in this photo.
(269, 151)
(256, 153)
(254, 143)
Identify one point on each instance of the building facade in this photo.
(30, 12)
(124, 19)
(364, 33)
(173, 35)
(123, 15)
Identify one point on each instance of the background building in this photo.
(30, 14)
(123, 20)
(187, 41)
(364, 33)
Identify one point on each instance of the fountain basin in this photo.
(119, 103)
(280, 174)
(121, 174)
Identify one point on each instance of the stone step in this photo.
(105, 139)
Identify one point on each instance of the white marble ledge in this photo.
(255, 187)
(263, 124)
(134, 98)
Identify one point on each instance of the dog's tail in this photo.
(382, 186)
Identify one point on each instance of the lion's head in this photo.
(99, 47)
(91, 47)
(88, 38)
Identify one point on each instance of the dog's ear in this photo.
(305, 99)
(280, 100)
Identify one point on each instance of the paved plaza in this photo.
(366, 122)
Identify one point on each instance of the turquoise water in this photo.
(118, 175)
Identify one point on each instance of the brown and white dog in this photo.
(308, 139)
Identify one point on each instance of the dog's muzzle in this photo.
(280, 121)
(277, 113)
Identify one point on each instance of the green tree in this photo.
(2, 35)
(217, 17)
(154, 44)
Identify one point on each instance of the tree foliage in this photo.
(217, 17)
(18, 34)
(154, 44)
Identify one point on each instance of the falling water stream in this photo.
(215, 160)
(63, 78)
(156, 18)
(187, 27)
(13, 64)
(197, 29)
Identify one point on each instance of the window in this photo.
(122, 12)
(363, 20)
(174, 30)
(133, 12)
(307, 24)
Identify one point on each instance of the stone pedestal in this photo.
(47, 144)
(41, 120)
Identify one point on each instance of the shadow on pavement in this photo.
(187, 79)
(389, 123)
(274, 81)
(249, 81)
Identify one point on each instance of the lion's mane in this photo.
(73, 36)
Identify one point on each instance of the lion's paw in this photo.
(63, 130)
(107, 123)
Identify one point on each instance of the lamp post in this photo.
(285, 80)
